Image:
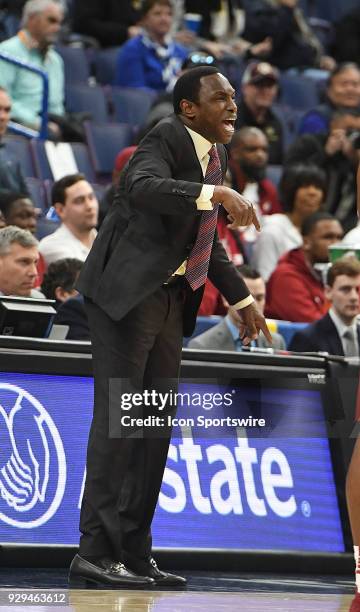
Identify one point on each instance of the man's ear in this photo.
(306, 243)
(59, 209)
(188, 109)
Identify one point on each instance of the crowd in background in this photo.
(298, 166)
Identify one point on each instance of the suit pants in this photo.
(124, 474)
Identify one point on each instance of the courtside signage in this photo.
(228, 486)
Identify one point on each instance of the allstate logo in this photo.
(32, 460)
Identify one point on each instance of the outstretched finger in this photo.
(264, 328)
(256, 221)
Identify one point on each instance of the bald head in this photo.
(247, 132)
(250, 150)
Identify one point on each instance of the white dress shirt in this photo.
(62, 243)
(203, 202)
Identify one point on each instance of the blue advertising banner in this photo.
(225, 485)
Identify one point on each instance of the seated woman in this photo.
(302, 192)
(151, 60)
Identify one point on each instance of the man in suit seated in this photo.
(338, 332)
(72, 313)
(225, 336)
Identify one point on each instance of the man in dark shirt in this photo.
(111, 22)
(260, 85)
(11, 177)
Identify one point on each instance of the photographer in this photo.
(338, 153)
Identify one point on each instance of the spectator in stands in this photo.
(338, 332)
(222, 25)
(11, 176)
(151, 60)
(260, 87)
(352, 238)
(19, 210)
(19, 255)
(110, 22)
(225, 336)
(59, 280)
(76, 205)
(342, 94)
(346, 46)
(337, 152)
(33, 44)
(295, 289)
(249, 154)
(72, 313)
(59, 284)
(294, 43)
(302, 192)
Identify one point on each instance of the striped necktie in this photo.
(198, 262)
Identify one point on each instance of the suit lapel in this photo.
(333, 338)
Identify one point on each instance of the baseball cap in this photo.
(260, 72)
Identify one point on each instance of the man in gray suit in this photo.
(225, 336)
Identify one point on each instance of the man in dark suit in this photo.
(143, 282)
(72, 313)
(338, 332)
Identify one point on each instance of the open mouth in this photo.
(229, 125)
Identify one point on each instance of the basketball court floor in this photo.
(206, 592)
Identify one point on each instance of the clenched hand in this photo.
(241, 212)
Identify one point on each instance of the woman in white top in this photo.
(302, 192)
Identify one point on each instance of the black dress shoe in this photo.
(149, 568)
(107, 572)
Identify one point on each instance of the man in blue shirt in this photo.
(151, 60)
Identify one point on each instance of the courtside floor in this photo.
(208, 592)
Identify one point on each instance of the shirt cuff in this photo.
(204, 200)
(243, 303)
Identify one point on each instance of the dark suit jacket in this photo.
(72, 313)
(152, 226)
(319, 336)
